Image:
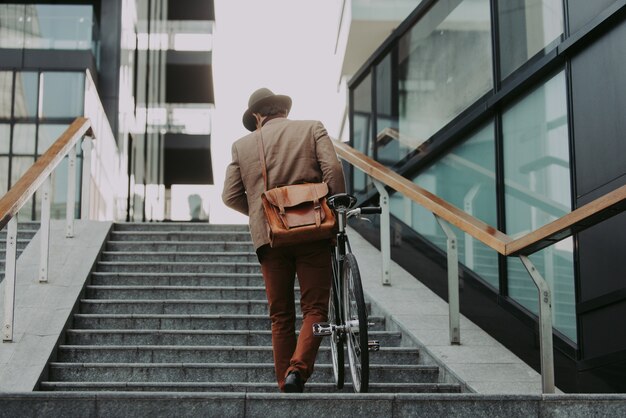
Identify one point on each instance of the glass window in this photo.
(12, 25)
(48, 133)
(526, 28)
(362, 128)
(4, 175)
(63, 94)
(5, 140)
(24, 138)
(6, 92)
(390, 146)
(58, 194)
(465, 177)
(26, 88)
(58, 26)
(538, 191)
(444, 65)
(19, 165)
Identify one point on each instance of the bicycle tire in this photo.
(336, 338)
(355, 315)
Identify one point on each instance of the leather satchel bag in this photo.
(297, 213)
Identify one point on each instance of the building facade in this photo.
(139, 69)
(511, 110)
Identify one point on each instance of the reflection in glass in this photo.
(6, 92)
(26, 88)
(24, 138)
(526, 28)
(362, 127)
(5, 140)
(465, 177)
(538, 191)
(444, 65)
(63, 94)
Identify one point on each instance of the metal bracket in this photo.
(453, 282)
(545, 325)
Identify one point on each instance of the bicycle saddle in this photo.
(341, 200)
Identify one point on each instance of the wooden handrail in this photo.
(588, 215)
(585, 216)
(27, 185)
(487, 234)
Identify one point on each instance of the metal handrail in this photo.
(581, 218)
(38, 176)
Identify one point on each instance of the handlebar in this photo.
(364, 211)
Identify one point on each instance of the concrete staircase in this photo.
(175, 307)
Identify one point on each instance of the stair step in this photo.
(198, 337)
(177, 292)
(172, 306)
(187, 322)
(208, 354)
(197, 256)
(178, 267)
(184, 246)
(176, 279)
(222, 372)
(177, 306)
(214, 236)
(244, 387)
(179, 226)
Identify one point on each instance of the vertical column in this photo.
(453, 282)
(45, 230)
(71, 193)
(86, 182)
(545, 326)
(385, 232)
(9, 280)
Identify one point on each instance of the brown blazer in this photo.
(295, 152)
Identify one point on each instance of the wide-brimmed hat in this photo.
(260, 98)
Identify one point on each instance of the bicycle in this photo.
(347, 313)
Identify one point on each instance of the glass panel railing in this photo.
(537, 191)
(465, 177)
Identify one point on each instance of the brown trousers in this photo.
(311, 263)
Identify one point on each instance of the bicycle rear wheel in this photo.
(356, 324)
(336, 338)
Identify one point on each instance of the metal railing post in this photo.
(45, 230)
(385, 232)
(9, 280)
(86, 178)
(71, 193)
(545, 326)
(453, 282)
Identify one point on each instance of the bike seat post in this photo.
(341, 218)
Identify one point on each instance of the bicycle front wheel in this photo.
(336, 338)
(356, 324)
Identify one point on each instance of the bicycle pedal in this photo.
(373, 345)
(322, 329)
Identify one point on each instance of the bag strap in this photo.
(261, 148)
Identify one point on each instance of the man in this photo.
(295, 152)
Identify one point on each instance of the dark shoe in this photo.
(293, 383)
